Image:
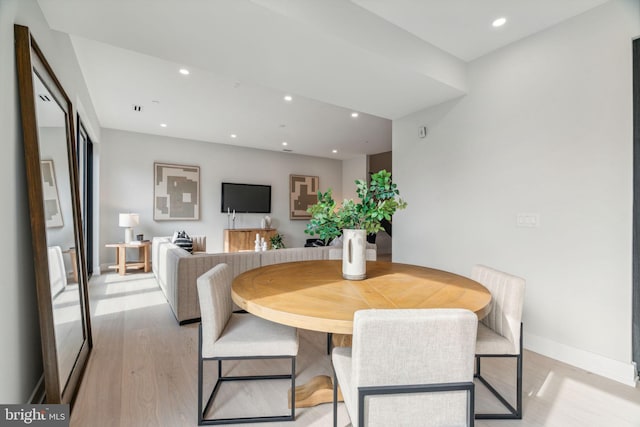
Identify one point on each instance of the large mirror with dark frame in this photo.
(52, 181)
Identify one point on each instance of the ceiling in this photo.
(383, 59)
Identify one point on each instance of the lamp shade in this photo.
(128, 219)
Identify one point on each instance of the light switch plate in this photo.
(529, 220)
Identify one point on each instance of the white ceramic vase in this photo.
(354, 261)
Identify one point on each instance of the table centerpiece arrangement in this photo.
(379, 200)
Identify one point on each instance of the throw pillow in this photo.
(182, 240)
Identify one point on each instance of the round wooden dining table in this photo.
(313, 295)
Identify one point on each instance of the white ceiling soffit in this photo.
(460, 26)
(207, 107)
(246, 40)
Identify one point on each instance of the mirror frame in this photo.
(30, 59)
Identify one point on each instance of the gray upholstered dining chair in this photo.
(409, 367)
(500, 332)
(224, 335)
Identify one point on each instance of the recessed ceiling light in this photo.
(184, 71)
(163, 125)
(284, 143)
(334, 151)
(233, 135)
(354, 114)
(499, 22)
(288, 98)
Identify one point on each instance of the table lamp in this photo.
(128, 220)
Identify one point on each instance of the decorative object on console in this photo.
(260, 243)
(303, 194)
(267, 222)
(379, 200)
(128, 220)
(182, 240)
(231, 219)
(176, 192)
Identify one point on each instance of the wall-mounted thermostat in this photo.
(422, 131)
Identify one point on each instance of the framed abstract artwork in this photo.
(176, 192)
(52, 212)
(303, 192)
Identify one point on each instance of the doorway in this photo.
(85, 175)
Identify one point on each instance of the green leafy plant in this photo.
(276, 241)
(379, 200)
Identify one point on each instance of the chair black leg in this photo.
(293, 388)
(221, 379)
(514, 413)
(519, 380)
(471, 407)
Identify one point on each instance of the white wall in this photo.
(546, 128)
(352, 169)
(126, 184)
(21, 357)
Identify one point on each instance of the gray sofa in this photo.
(177, 270)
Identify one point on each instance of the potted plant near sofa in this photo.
(378, 201)
(277, 241)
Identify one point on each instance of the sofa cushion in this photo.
(294, 254)
(182, 240)
(199, 243)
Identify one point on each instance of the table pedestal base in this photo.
(318, 390)
(341, 340)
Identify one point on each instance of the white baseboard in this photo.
(622, 372)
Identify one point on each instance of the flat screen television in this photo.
(246, 198)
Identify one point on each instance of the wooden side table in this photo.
(144, 258)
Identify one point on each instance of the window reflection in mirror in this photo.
(61, 246)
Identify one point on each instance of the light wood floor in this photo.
(143, 372)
